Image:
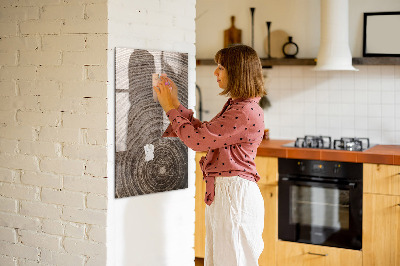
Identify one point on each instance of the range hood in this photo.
(334, 51)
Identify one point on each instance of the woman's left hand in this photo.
(163, 90)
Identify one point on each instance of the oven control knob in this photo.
(336, 169)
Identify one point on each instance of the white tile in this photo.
(335, 95)
(335, 122)
(348, 132)
(322, 122)
(388, 137)
(296, 71)
(361, 123)
(347, 109)
(310, 108)
(374, 123)
(374, 84)
(322, 109)
(374, 97)
(361, 97)
(375, 136)
(388, 97)
(322, 96)
(387, 72)
(348, 96)
(348, 123)
(334, 109)
(388, 124)
(374, 110)
(297, 83)
(388, 84)
(388, 110)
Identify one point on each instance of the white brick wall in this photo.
(53, 110)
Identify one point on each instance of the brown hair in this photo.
(245, 78)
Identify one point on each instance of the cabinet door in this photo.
(381, 179)
(270, 233)
(200, 207)
(267, 168)
(297, 254)
(381, 230)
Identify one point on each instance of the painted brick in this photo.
(67, 135)
(97, 234)
(61, 259)
(8, 261)
(41, 179)
(94, 201)
(8, 234)
(98, 121)
(87, 88)
(7, 117)
(88, 57)
(94, 168)
(53, 227)
(19, 221)
(86, 184)
(39, 87)
(84, 26)
(40, 27)
(85, 152)
(8, 58)
(25, 262)
(16, 132)
(75, 230)
(62, 12)
(34, 239)
(94, 136)
(39, 58)
(38, 209)
(97, 42)
(63, 197)
(19, 13)
(17, 191)
(8, 205)
(69, 42)
(98, 73)
(60, 73)
(19, 43)
(29, 2)
(99, 260)
(19, 251)
(73, 104)
(18, 72)
(26, 103)
(84, 216)
(40, 148)
(7, 88)
(62, 166)
(39, 118)
(97, 11)
(18, 161)
(84, 247)
(8, 145)
(7, 175)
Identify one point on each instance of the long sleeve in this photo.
(186, 113)
(225, 130)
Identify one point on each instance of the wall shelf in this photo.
(312, 61)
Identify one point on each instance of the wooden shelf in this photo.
(312, 61)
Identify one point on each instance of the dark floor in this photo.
(198, 261)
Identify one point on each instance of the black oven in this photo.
(320, 202)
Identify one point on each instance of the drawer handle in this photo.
(318, 254)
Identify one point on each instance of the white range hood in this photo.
(334, 51)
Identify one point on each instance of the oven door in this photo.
(321, 212)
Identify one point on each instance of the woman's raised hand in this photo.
(164, 95)
(174, 89)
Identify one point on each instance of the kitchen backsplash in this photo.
(332, 103)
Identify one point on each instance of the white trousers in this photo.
(234, 223)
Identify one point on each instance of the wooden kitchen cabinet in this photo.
(381, 215)
(298, 254)
(200, 207)
(381, 230)
(381, 179)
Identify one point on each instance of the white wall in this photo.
(338, 104)
(155, 229)
(53, 107)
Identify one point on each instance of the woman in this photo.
(235, 207)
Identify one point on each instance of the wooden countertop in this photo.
(379, 154)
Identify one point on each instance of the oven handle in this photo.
(297, 181)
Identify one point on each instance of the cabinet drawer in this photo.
(293, 254)
(381, 179)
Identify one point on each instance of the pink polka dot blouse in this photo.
(231, 139)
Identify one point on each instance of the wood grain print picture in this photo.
(144, 161)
